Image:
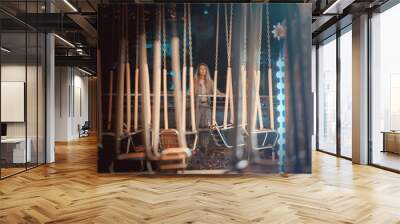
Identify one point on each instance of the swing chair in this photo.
(132, 152)
(166, 147)
(262, 132)
(218, 132)
(174, 152)
(187, 36)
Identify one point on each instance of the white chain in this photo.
(190, 35)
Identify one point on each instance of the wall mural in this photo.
(205, 88)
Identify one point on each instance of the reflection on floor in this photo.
(386, 159)
(10, 171)
(71, 191)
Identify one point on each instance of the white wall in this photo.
(17, 73)
(71, 102)
(33, 127)
(12, 73)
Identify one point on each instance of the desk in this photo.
(391, 141)
(13, 150)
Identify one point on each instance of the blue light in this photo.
(280, 74)
(205, 12)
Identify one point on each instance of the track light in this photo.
(329, 9)
(64, 40)
(5, 50)
(70, 5)
(84, 71)
(337, 7)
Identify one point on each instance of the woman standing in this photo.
(203, 89)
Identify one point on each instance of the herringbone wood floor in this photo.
(70, 191)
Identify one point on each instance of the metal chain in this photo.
(245, 37)
(189, 15)
(216, 40)
(144, 21)
(137, 38)
(164, 37)
(184, 33)
(259, 40)
(268, 37)
(228, 32)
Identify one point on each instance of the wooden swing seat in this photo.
(264, 144)
(138, 152)
(132, 155)
(172, 156)
(220, 138)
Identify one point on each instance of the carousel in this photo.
(152, 116)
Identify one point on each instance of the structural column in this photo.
(360, 90)
(50, 92)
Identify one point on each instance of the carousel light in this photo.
(280, 75)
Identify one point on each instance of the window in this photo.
(346, 94)
(327, 96)
(385, 89)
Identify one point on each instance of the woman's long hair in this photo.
(197, 75)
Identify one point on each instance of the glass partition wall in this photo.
(385, 90)
(334, 94)
(22, 87)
